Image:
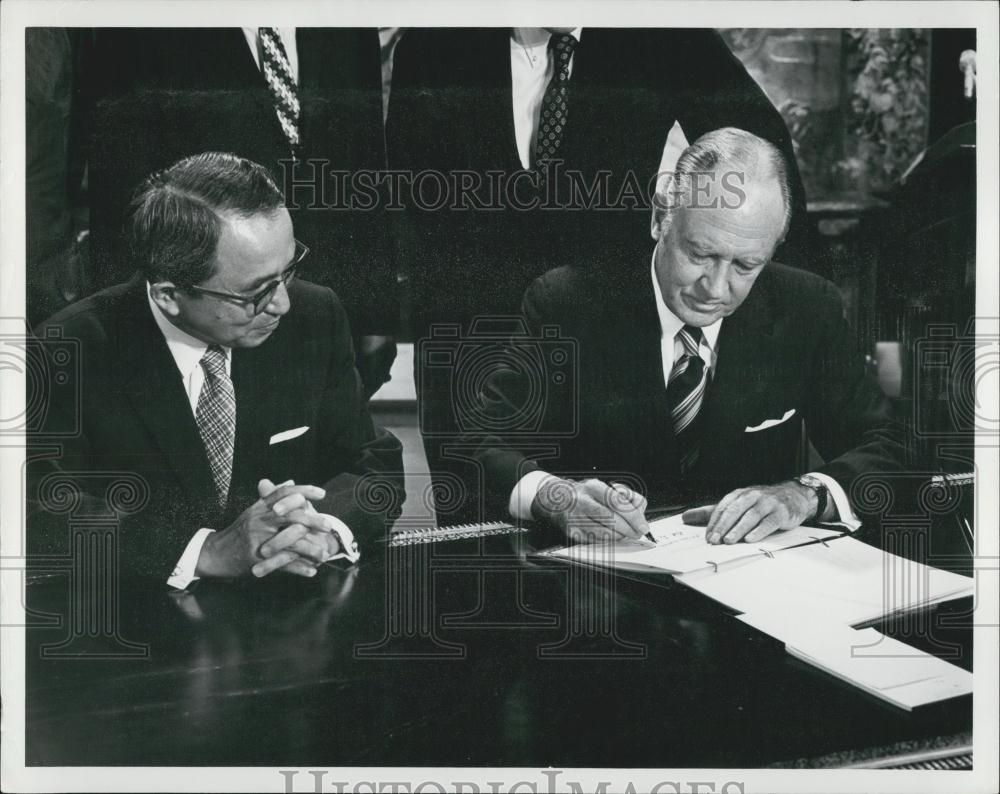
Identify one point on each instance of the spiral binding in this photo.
(412, 537)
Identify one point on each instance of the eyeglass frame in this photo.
(257, 300)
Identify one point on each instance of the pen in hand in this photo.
(634, 501)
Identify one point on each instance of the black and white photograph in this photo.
(460, 405)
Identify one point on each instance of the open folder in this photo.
(845, 581)
(822, 571)
(680, 548)
(808, 587)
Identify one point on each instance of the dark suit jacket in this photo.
(452, 110)
(787, 347)
(161, 94)
(132, 419)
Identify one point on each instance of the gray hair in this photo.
(173, 222)
(738, 150)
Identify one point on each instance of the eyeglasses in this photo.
(260, 299)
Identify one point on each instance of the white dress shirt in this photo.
(671, 349)
(187, 353)
(531, 69)
(287, 36)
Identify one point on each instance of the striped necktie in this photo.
(216, 419)
(280, 81)
(552, 120)
(685, 392)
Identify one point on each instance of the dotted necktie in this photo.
(552, 120)
(278, 75)
(685, 391)
(216, 419)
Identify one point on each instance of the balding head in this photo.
(721, 169)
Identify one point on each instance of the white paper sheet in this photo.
(841, 582)
(880, 665)
(681, 548)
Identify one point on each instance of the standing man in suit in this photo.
(696, 371)
(212, 375)
(304, 102)
(573, 125)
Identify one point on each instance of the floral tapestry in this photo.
(854, 99)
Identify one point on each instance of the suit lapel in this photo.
(642, 368)
(590, 89)
(581, 84)
(650, 363)
(249, 371)
(234, 52)
(339, 59)
(745, 366)
(154, 387)
(262, 383)
(485, 96)
(505, 108)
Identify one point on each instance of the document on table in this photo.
(682, 548)
(883, 667)
(845, 582)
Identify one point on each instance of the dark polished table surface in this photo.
(457, 654)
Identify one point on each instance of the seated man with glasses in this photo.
(220, 389)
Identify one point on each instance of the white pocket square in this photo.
(771, 422)
(286, 435)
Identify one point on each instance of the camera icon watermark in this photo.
(47, 370)
(500, 378)
(952, 368)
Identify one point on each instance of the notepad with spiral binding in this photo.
(412, 536)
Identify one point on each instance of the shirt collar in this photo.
(670, 323)
(186, 349)
(531, 38)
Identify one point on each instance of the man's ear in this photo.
(164, 295)
(659, 221)
(777, 245)
(663, 203)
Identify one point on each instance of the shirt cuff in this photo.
(348, 545)
(524, 493)
(184, 571)
(842, 507)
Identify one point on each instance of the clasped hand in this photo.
(280, 531)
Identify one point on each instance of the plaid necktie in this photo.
(685, 391)
(216, 418)
(552, 120)
(278, 75)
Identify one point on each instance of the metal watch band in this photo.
(821, 491)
